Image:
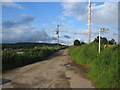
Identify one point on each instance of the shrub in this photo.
(76, 42)
(10, 59)
(104, 70)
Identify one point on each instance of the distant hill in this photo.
(26, 45)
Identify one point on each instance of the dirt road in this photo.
(55, 72)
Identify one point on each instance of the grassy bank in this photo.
(104, 66)
(20, 57)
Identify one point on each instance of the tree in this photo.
(76, 42)
(82, 43)
(96, 39)
(112, 41)
(103, 40)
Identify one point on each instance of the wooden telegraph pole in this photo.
(89, 20)
(57, 32)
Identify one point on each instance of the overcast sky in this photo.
(37, 21)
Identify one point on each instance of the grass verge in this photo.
(104, 66)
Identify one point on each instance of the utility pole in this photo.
(89, 20)
(57, 32)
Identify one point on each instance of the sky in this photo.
(37, 21)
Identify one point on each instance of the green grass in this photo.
(11, 59)
(104, 66)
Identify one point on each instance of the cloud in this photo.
(25, 34)
(24, 20)
(12, 4)
(23, 31)
(103, 14)
(66, 36)
(61, 17)
(54, 38)
(8, 24)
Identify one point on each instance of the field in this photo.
(21, 56)
(103, 67)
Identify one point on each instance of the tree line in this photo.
(103, 40)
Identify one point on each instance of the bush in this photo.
(104, 66)
(76, 42)
(11, 59)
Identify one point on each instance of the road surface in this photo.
(55, 72)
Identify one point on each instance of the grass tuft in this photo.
(104, 66)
